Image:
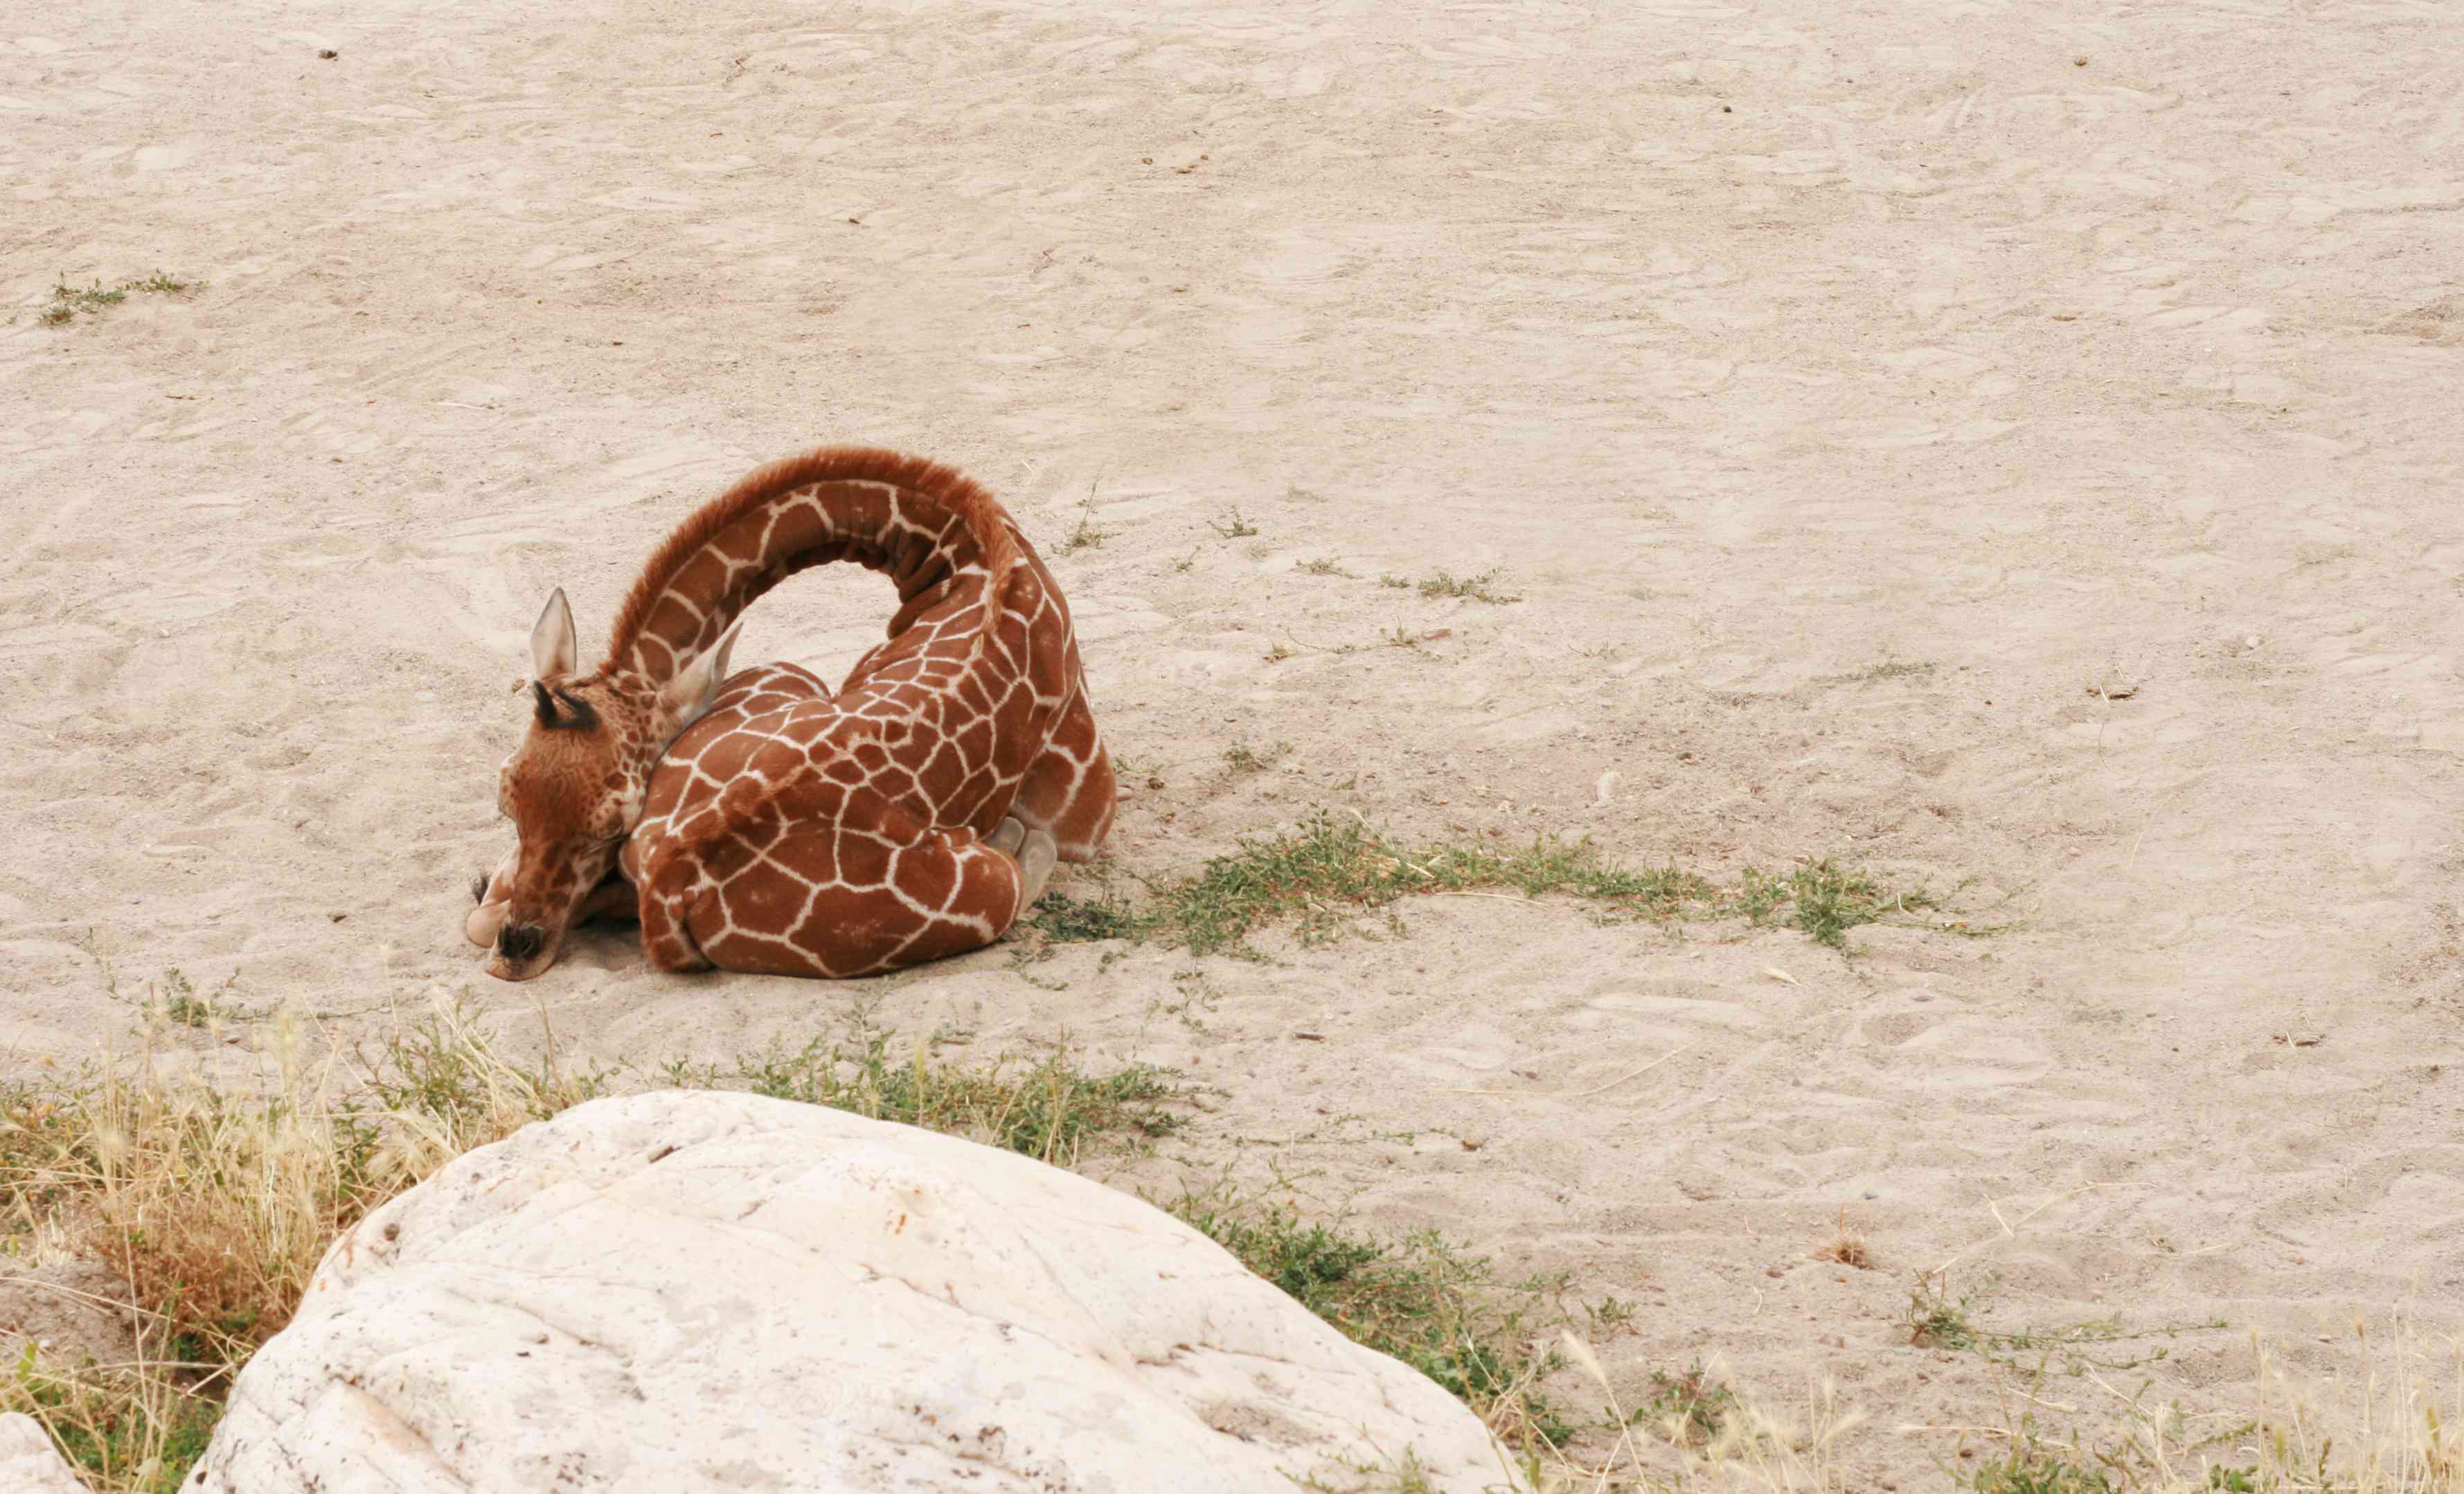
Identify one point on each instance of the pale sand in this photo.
(1758, 346)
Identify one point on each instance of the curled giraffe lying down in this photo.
(760, 823)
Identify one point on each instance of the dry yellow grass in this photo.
(212, 1209)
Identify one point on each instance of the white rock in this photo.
(29, 1463)
(683, 1292)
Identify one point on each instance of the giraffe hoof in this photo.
(1036, 857)
(480, 925)
(1006, 839)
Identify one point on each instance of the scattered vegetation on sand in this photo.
(1473, 588)
(68, 301)
(178, 1001)
(1329, 871)
(1242, 757)
(1846, 1246)
(1691, 1407)
(1419, 1299)
(1086, 535)
(1937, 1320)
(1888, 669)
(1232, 525)
(1322, 566)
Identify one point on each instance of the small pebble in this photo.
(328, 53)
(1474, 1140)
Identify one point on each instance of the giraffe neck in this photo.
(925, 526)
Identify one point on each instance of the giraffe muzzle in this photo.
(523, 950)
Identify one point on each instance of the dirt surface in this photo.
(2012, 448)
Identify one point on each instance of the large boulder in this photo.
(688, 1291)
(29, 1463)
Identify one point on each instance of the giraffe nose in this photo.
(521, 942)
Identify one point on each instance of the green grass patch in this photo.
(1470, 588)
(1936, 1320)
(2029, 1467)
(1049, 1109)
(1329, 871)
(70, 302)
(1233, 525)
(1690, 1407)
(109, 1436)
(1418, 1299)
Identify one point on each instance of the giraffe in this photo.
(760, 821)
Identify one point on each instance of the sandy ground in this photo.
(2034, 350)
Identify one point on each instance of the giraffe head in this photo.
(575, 786)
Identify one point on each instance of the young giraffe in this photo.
(760, 823)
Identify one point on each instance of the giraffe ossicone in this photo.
(760, 821)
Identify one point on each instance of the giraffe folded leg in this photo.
(786, 904)
(1037, 854)
(494, 893)
(1069, 791)
(613, 897)
(1007, 838)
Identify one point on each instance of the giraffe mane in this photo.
(946, 487)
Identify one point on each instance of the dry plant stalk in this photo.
(1847, 1246)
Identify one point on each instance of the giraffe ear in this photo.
(684, 698)
(554, 651)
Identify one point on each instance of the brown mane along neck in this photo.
(742, 543)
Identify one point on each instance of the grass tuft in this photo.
(1418, 1299)
(1048, 1110)
(1691, 1407)
(1329, 871)
(1846, 1246)
(213, 1208)
(1232, 525)
(68, 300)
(1086, 535)
(1472, 588)
(178, 1001)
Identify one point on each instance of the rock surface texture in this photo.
(680, 1292)
(29, 1463)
